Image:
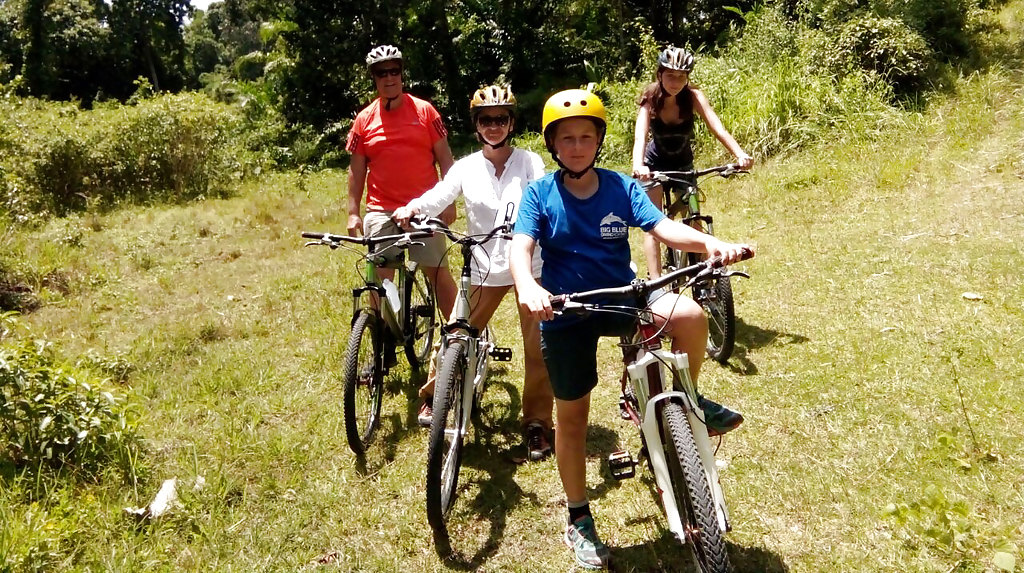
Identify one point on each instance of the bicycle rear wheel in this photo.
(444, 452)
(420, 318)
(715, 297)
(692, 492)
(364, 381)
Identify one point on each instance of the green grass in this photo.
(855, 347)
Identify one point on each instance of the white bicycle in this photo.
(659, 397)
(459, 386)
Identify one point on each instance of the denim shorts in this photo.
(570, 352)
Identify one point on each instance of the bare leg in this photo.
(571, 446)
(652, 248)
(687, 325)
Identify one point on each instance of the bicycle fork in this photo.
(684, 393)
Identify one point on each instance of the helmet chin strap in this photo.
(498, 145)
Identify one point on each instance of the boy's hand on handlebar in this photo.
(403, 214)
(536, 300)
(730, 252)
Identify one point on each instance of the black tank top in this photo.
(674, 139)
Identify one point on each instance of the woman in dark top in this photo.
(667, 108)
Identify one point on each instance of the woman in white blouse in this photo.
(489, 180)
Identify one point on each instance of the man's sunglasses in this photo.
(489, 120)
(385, 72)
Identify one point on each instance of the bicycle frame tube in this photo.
(375, 285)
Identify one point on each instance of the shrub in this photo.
(888, 46)
(56, 418)
(56, 158)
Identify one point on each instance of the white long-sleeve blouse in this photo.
(486, 197)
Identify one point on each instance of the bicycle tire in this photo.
(692, 493)
(420, 318)
(715, 297)
(364, 381)
(444, 451)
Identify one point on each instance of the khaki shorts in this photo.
(432, 253)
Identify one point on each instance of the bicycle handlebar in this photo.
(401, 241)
(641, 288)
(726, 171)
(434, 224)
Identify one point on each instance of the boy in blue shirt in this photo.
(580, 216)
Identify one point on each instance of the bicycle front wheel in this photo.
(420, 317)
(692, 492)
(715, 297)
(364, 381)
(444, 452)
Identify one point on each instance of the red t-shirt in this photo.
(399, 147)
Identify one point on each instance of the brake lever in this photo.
(733, 274)
(323, 243)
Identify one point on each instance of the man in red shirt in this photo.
(395, 143)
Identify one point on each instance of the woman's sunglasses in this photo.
(385, 72)
(492, 120)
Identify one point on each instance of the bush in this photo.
(56, 158)
(889, 47)
(56, 418)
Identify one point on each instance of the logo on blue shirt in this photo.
(613, 227)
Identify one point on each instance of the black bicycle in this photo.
(682, 201)
(384, 315)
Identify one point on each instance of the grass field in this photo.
(883, 400)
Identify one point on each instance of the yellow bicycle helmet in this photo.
(567, 104)
(572, 103)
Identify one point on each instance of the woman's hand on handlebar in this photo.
(730, 252)
(403, 214)
(535, 300)
(744, 161)
(642, 172)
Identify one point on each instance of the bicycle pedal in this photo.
(623, 412)
(501, 354)
(621, 465)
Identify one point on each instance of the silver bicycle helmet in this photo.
(676, 59)
(382, 54)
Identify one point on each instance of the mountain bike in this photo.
(459, 386)
(661, 399)
(682, 200)
(385, 314)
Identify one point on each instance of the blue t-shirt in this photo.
(585, 242)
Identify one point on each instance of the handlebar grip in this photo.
(311, 235)
(557, 301)
(746, 253)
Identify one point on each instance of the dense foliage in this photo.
(54, 417)
(58, 158)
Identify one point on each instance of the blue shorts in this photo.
(570, 353)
